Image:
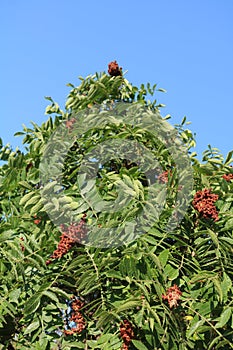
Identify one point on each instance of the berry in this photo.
(70, 236)
(204, 201)
(163, 177)
(113, 69)
(69, 123)
(228, 177)
(172, 296)
(36, 220)
(77, 317)
(127, 333)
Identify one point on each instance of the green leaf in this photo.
(152, 323)
(88, 186)
(14, 295)
(82, 207)
(26, 198)
(130, 304)
(19, 133)
(213, 236)
(42, 343)
(218, 288)
(51, 295)
(194, 327)
(36, 208)
(171, 272)
(71, 345)
(229, 158)
(60, 292)
(49, 187)
(33, 200)
(202, 276)
(226, 285)
(149, 239)
(139, 345)
(114, 274)
(163, 257)
(224, 318)
(227, 239)
(25, 184)
(229, 225)
(32, 304)
(5, 235)
(32, 327)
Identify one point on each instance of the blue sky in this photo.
(184, 46)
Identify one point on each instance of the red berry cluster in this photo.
(70, 235)
(228, 177)
(36, 220)
(163, 177)
(77, 317)
(172, 296)
(69, 123)
(204, 201)
(127, 333)
(113, 69)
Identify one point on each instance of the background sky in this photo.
(186, 47)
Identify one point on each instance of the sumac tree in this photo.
(164, 290)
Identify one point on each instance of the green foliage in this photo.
(120, 283)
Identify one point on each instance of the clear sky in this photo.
(184, 46)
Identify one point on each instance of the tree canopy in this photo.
(89, 255)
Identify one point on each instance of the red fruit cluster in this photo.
(127, 333)
(70, 235)
(172, 296)
(228, 177)
(69, 123)
(36, 220)
(163, 177)
(76, 317)
(114, 70)
(204, 201)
